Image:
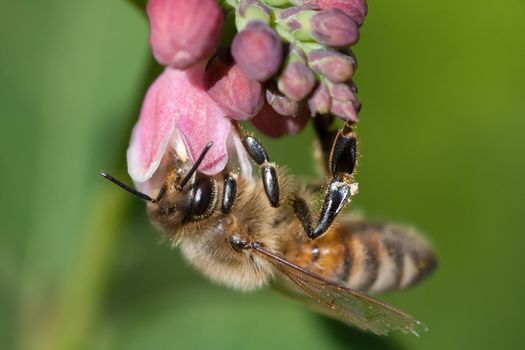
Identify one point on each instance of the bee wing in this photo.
(345, 304)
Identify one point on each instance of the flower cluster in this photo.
(273, 62)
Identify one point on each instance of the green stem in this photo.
(228, 4)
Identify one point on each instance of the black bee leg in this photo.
(340, 188)
(268, 172)
(303, 213)
(326, 135)
(230, 192)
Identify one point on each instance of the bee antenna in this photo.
(127, 188)
(194, 167)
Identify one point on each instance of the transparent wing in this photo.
(336, 301)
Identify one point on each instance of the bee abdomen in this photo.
(387, 258)
(368, 257)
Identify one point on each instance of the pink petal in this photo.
(152, 132)
(200, 120)
(153, 185)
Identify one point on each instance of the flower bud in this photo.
(297, 20)
(296, 80)
(275, 125)
(240, 97)
(344, 110)
(333, 65)
(341, 92)
(251, 10)
(356, 9)
(351, 54)
(355, 101)
(352, 86)
(320, 102)
(282, 104)
(334, 28)
(344, 102)
(258, 51)
(184, 32)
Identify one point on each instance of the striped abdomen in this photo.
(366, 256)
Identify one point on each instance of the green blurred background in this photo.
(442, 135)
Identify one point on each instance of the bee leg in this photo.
(259, 155)
(340, 188)
(230, 192)
(303, 213)
(326, 136)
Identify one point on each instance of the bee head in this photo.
(176, 205)
(181, 198)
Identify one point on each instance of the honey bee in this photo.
(245, 233)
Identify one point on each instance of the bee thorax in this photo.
(219, 261)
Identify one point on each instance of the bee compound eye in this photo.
(203, 197)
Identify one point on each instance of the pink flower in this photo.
(178, 114)
(188, 107)
(184, 32)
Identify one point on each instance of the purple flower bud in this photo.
(245, 5)
(184, 32)
(341, 92)
(251, 10)
(352, 86)
(282, 104)
(351, 54)
(296, 81)
(258, 51)
(292, 11)
(233, 91)
(320, 102)
(344, 102)
(275, 125)
(344, 110)
(334, 28)
(355, 101)
(333, 65)
(297, 20)
(356, 9)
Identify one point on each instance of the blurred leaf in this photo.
(228, 321)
